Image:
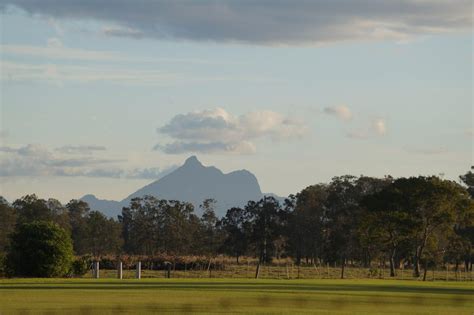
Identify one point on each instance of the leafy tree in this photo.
(433, 206)
(236, 229)
(389, 222)
(103, 234)
(306, 222)
(78, 211)
(265, 225)
(151, 225)
(210, 236)
(468, 180)
(31, 208)
(8, 218)
(140, 225)
(39, 249)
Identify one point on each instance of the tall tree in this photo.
(103, 234)
(7, 223)
(78, 211)
(237, 231)
(265, 223)
(306, 223)
(210, 236)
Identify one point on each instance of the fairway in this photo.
(107, 296)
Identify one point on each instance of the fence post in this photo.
(168, 271)
(138, 273)
(119, 270)
(96, 270)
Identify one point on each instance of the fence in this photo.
(280, 270)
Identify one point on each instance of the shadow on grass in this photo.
(283, 287)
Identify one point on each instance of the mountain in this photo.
(110, 208)
(192, 182)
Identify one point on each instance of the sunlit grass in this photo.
(111, 296)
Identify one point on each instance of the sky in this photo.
(104, 97)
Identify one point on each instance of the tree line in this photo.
(417, 222)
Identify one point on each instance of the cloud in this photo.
(179, 147)
(56, 50)
(427, 151)
(84, 149)
(216, 130)
(58, 74)
(261, 21)
(52, 73)
(122, 32)
(377, 127)
(342, 112)
(36, 161)
(148, 173)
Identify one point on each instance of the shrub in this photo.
(80, 266)
(39, 249)
(2, 265)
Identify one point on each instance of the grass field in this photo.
(110, 296)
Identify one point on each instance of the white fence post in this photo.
(96, 270)
(138, 273)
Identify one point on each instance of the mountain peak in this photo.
(192, 161)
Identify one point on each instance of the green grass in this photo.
(110, 296)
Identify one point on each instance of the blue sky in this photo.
(99, 99)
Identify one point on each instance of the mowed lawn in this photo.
(110, 296)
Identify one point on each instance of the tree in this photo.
(209, 233)
(39, 249)
(78, 211)
(433, 206)
(344, 215)
(31, 208)
(236, 232)
(103, 234)
(8, 218)
(151, 225)
(468, 180)
(265, 225)
(388, 221)
(306, 223)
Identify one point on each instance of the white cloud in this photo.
(263, 22)
(56, 50)
(379, 126)
(342, 112)
(84, 149)
(36, 161)
(216, 130)
(56, 73)
(59, 74)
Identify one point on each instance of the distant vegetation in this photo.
(417, 223)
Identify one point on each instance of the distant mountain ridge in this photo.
(192, 182)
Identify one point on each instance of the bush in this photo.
(2, 265)
(39, 249)
(80, 266)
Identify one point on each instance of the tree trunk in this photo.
(416, 262)
(343, 265)
(392, 263)
(257, 272)
(425, 267)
